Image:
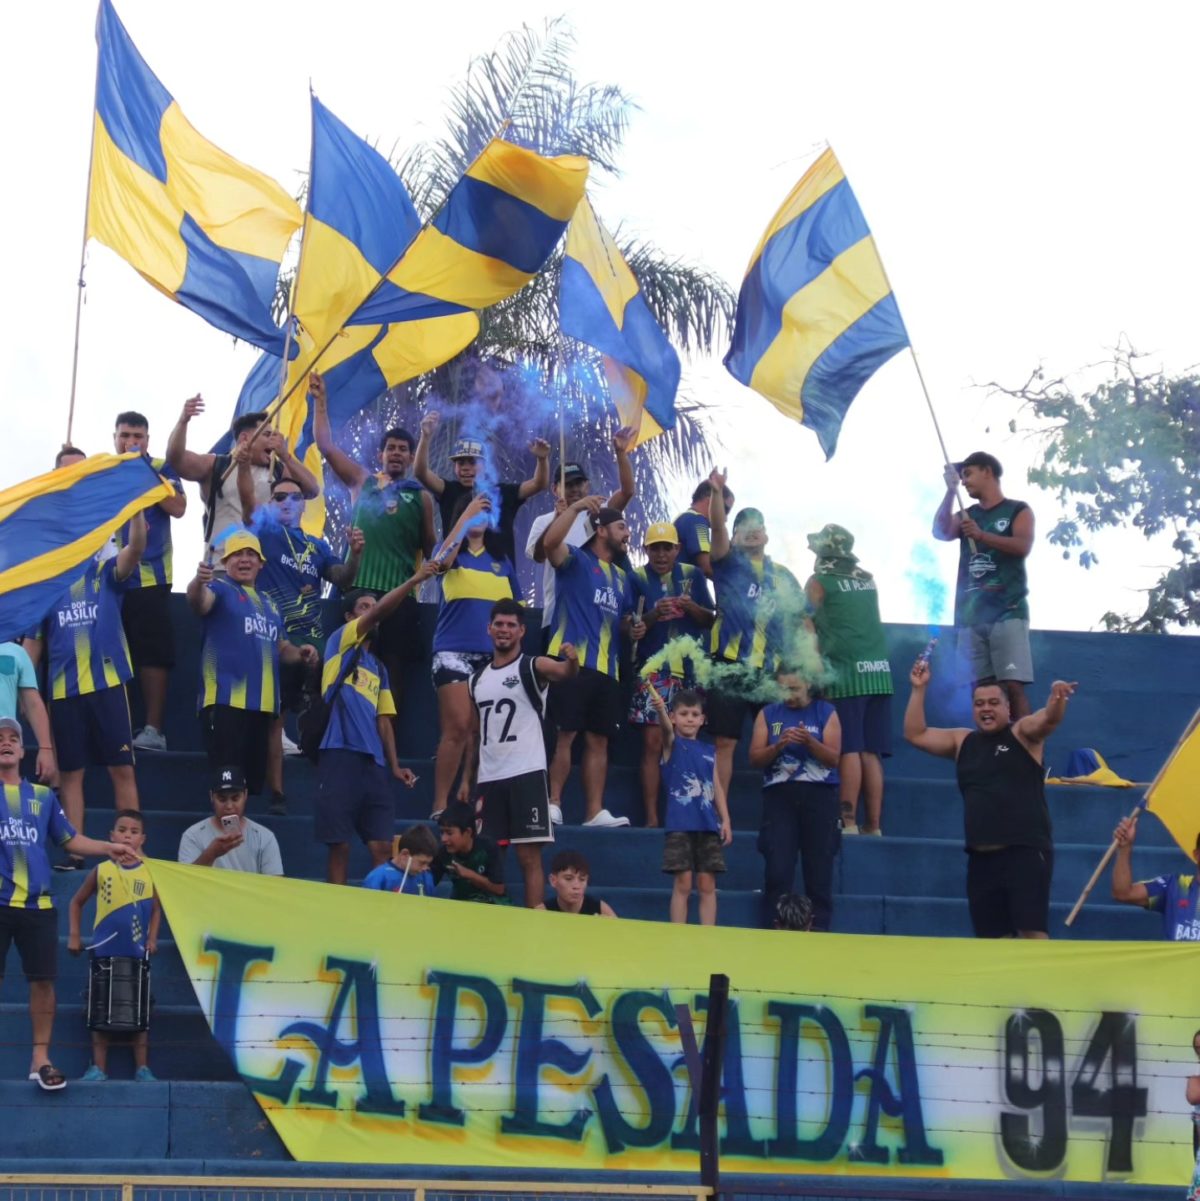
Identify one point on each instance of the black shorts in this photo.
(35, 932)
(398, 639)
(517, 809)
(693, 851)
(354, 796)
(590, 701)
(1009, 890)
(92, 729)
(866, 724)
(726, 713)
(146, 615)
(238, 737)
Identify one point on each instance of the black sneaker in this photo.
(278, 805)
(73, 863)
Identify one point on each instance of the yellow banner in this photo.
(377, 1028)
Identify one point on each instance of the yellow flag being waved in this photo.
(1174, 797)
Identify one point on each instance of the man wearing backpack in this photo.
(358, 747)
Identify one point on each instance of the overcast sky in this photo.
(1029, 171)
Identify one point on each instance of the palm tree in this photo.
(526, 87)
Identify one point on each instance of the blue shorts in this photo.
(354, 796)
(866, 724)
(92, 729)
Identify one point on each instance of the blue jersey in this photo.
(294, 565)
(469, 589)
(1177, 899)
(84, 636)
(687, 780)
(591, 597)
(682, 580)
(155, 565)
(239, 660)
(695, 536)
(124, 903)
(796, 764)
(387, 877)
(755, 597)
(16, 672)
(30, 820)
(364, 697)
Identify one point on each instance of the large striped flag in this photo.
(203, 228)
(816, 317)
(600, 303)
(1174, 797)
(50, 525)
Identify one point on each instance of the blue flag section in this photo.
(816, 317)
(51, 525)
(203, 228)
(601, 304)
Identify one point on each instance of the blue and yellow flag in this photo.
(52, 524)
(492, 235)
(816, 317)
(1174, 797)
(600, 303)
(203, 228)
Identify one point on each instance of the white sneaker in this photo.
(149, 739)
(606, 819)
(289, 747)
(555, 815)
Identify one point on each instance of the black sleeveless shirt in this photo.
(590, 906)
(1004, 793)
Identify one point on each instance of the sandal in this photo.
(49, 1078)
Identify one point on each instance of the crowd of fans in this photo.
(709, 635)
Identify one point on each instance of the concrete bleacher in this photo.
(1136, 695)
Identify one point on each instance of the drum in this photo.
(118, 999)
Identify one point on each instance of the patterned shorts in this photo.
(693, 851)
(641, 710)
(456, 667)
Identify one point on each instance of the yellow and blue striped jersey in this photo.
(239, 661)
(754, 597)
(30, 819)
(124, 902)
(469, 589)
(682, 580)
(155, 566)
(591, 597)
(365, 696)
(85, 637)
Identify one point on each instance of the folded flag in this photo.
(51, 525)
(1087, 766)
(816, 317)
(1173, 797)
(203, 228)
(600, 303)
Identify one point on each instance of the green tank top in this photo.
(389, 513)
(991, 585)
(852, 638)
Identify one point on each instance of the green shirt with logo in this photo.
(851, 637)
(991, 584)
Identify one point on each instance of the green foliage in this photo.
(1124, 455)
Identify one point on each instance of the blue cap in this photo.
(467, 448)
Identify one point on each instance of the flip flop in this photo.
(49, 1078)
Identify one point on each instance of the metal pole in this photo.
(712, 1061)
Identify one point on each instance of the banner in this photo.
(377, 1028)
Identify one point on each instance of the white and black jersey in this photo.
(511, 704)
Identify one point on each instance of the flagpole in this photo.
(1112, 850)
(87, 205)
(282, 400)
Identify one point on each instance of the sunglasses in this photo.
(282, 496)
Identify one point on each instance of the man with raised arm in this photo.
(1010, 851)
(1174, 897)
(395, 515)
(991, 605)
(466, 457)
(223, 506)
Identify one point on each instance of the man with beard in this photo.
(1010, 852)
(593, 608)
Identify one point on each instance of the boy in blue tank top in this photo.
(696, 818)
(126, 926)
